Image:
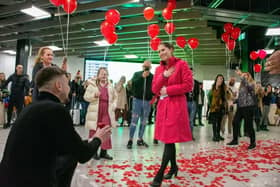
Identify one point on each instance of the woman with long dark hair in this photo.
(218, 105)
(172, 79)
(246, 104)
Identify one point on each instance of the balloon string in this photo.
(228, 65)
(185, 53)
(67, 32)
(61, 31)
(105, 53)
(192, 60)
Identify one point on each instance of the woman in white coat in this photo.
(102, 103)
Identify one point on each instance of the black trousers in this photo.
(247, 114)
(15, 102)
(169, 154)
(65, 167)
(216, 119)
(199, 113)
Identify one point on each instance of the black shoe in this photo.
(201, 124)
(155, 141)
(106, 156)
(252, 146)
(265, 129)
(221, 138)
(171, 173)
(216, 139)
(232, 143)
(129, 144)
(6, 125)
(155, 184)
(151, 122)
(142, 143)
(96, 157)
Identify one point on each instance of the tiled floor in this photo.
(202, 162)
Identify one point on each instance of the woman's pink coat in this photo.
(172, 119)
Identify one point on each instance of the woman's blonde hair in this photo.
(41, 53)
(98, 72)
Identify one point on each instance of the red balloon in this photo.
(257, 68)
(235, 33)
(153, 30)
(262, 54)
(181, 41)
(193, 43)
(69, 6)
(230, 44)
(113, 16)
(56, 2)
(154, 43)
(149, 13)
(225, 37)
(112, 38)
(228, 27)
(167, 13)
(254, 55)
(171, 5)
(107, 28)
(169, 28)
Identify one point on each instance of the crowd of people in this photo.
(171, 95)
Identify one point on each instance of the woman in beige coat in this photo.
(102, 103)
(121, 109)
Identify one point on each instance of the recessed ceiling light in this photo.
(35, 12)
(102, 43)
(54, 48)
(130, 56)
(272, 31)
(10, 52)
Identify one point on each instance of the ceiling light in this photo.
(54, 48)
(10, 52)
(102, 43)
(130, 56)
(35, 12)
(272, 31)
(269, 51)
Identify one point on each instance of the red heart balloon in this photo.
(154, 43)
(181, 41)
(254, 55)
(153, 30)
(169, 28)
(106, 28)
(257, 68)
(228, 27)
(193, 43)
(230, 44)
(262, 54)
(225, 37)
(112, 38)
(167, 13)
(56, 2)
(235, 33)
(69, 6)
(113, 16)
(149, 13)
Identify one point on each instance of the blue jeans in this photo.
(192, 111)
(141, 110)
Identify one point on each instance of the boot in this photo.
(171, 172)
(96, 157)
(105, 155)
(215, 137)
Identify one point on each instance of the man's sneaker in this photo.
(142, 143)
(129, 144)
(252, 146)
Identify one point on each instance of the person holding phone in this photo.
(102, 99)
(142, 94)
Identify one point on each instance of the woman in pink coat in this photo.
(172, 79)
